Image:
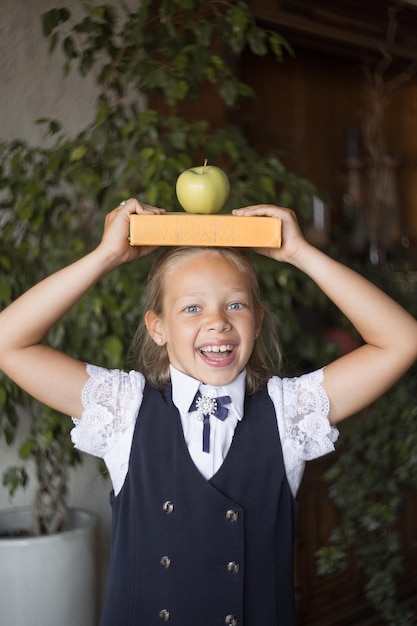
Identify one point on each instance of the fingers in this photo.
(292, 237)
(257, 209)
(133, 205)
(117, 225)
(265, 210)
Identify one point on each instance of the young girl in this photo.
(205, 445)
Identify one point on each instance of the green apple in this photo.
(202, 189)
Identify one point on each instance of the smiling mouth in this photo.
(217, 353)
(217, 349)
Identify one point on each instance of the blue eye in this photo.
(192, 309)
(236, 306)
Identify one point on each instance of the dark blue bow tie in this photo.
(207, 405)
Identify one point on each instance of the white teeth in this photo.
(222, 348)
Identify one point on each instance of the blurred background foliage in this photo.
(54, 196)
(147, 62)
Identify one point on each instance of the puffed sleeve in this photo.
(302, 408)
(111, 401)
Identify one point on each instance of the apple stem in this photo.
(205, 163)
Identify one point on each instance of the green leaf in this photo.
(86, 63)
(278, 43)
(239, 18)
(53, 41)
(113, 349)
(85, 26)
(331, 560)
(15, 477)
(188, 5)
(3, 398)
(102, 114)
(26, 449)
(151, 196)
(53, 18)
(68, 47)
(147, 153)
(257, 42)
(99, 12)
(54, 126)
(23, 210)
(229, 92)
(5, 292)
(269, 187)
(78, 153)
(5, 262)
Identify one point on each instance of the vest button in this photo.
(164, 615)
(165, 562)
(231, 620)
(233, 567)
(168, 507)
(232, 516)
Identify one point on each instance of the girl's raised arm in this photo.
(52, 377)
(389, 332)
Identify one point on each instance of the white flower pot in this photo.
(48, 580)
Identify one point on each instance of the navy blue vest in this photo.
(193, 552)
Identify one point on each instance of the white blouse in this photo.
(112, 398)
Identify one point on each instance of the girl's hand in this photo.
(115, 239)
(293, 241)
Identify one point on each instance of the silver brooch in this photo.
(206, 404)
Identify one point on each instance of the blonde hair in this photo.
(152, 360)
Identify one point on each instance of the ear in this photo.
(154, 325)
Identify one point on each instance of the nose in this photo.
(217, 320)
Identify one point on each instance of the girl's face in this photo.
(208, 323)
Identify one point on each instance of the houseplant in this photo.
(54, 196)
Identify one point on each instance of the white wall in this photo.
(32, 82)
(33, 86)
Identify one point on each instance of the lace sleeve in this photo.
(111, 399)
(302, 408)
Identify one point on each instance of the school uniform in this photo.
(192, 546)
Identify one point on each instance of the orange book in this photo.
(186, 229)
